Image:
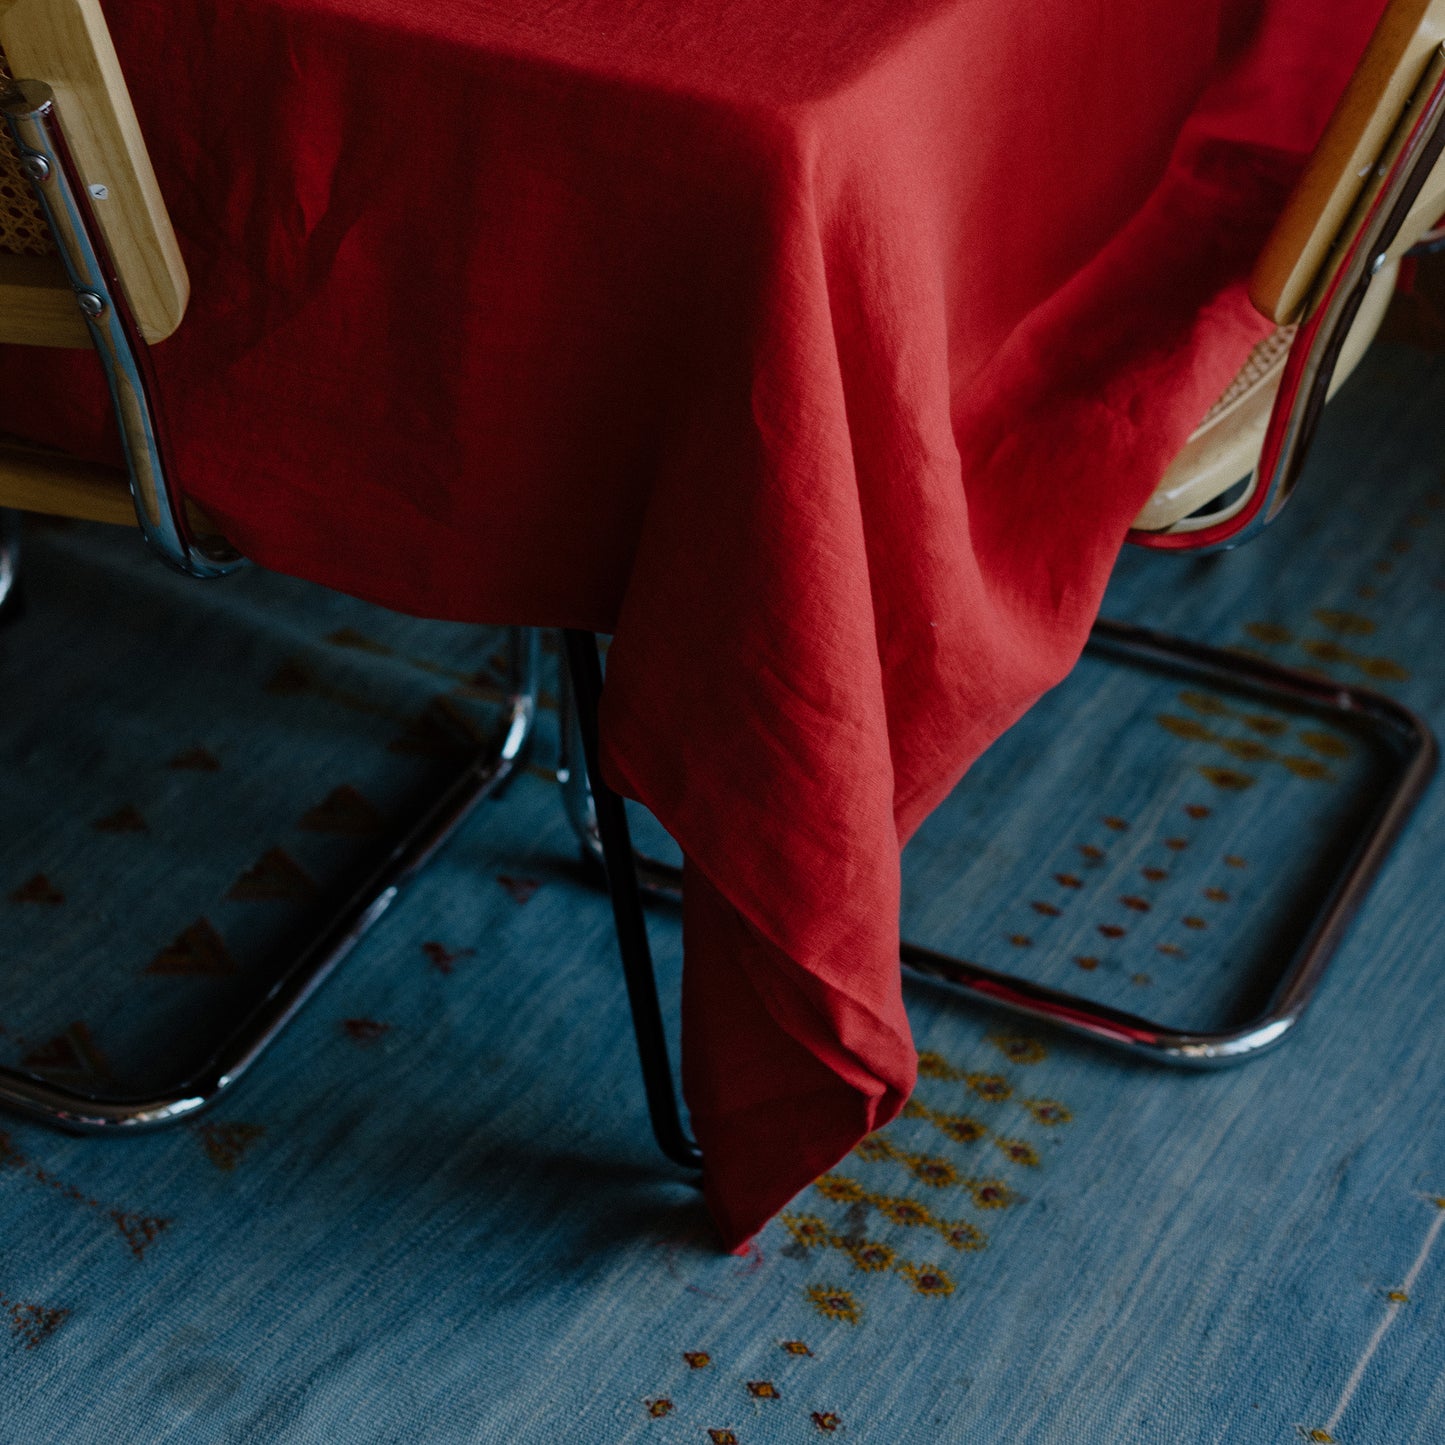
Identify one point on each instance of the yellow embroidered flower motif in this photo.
(990, 1193)
(958, 1127)
(1048, 1112)
(961, 1129)
(763, 1390)
(931, 1170)
(871, 1257)
(963, 1235)
(796, 1347)
(697, 1359)
(935, 1066)
(807, 1229)
(1270, 633)
(902, 1211)
(992, 1087)
(1204, 702)
(839, 1188)
(835, 1304)
(1248, 750)
(1016, 1048)
(1271, 727)
(1230, 779)
(927, 1280)
(658, 1408)
(1020, 1151)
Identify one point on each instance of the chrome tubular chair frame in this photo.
(600, 822)
(1396, 181)
(1401, 737)
(30, 114)
(9, 562)
(79, 1111)
(29, 111)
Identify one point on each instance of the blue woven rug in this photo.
(433, 1212)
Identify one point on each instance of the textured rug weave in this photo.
(433, 1211)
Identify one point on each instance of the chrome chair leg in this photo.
(81, 1111)
(604, 818)
(9, 564)
(1401, 736)
(28, 110)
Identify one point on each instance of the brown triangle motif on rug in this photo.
(123, 820)
(276, 877)
(290, 680)
(442, 958)
(32, 1323)
(520, 888)
(38, 890)
(226, 1144)
(195, 760)
(480, 688)
(365, 1031)
(357, 641)
(346, 811)
(140, 1231)
(73, 1052)
(442, 732)
(198, 952)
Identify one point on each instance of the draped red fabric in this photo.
(821, 349)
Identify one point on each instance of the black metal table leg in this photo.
(1404, 739)
(585, 669)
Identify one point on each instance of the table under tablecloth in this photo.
(821, 350)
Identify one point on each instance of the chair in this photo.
(1370, 192)
(88, 258)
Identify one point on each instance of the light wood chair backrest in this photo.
(66, 44)
(1408, 32)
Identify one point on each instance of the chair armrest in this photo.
(66, 44)
(1356, 134)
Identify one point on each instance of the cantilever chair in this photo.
(88, 258)
(1370, 192)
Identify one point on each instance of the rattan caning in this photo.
(1264, 359)
(23, 231)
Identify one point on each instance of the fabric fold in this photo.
(822, 352)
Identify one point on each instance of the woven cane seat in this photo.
(23, 231)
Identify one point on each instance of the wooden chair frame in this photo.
(1370, 190)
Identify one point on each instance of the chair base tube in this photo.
(1402, 737)
(9, 564)
(79, 1111)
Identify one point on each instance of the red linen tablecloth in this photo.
(821, 349)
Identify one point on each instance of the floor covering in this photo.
(433, 1211)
